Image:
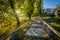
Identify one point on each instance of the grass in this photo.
(45, 18)
(54, 22)
(56, 26)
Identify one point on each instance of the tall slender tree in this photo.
(29, 7)
(39, 6)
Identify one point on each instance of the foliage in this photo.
(39, 6)
(10, 11)
(29, 7)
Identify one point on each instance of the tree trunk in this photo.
(56, 14)
(16, 16)
(29, 18)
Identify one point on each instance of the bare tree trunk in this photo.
(56, 14)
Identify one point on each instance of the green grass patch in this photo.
(56, 26)
(54, 22)
(45, 18)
